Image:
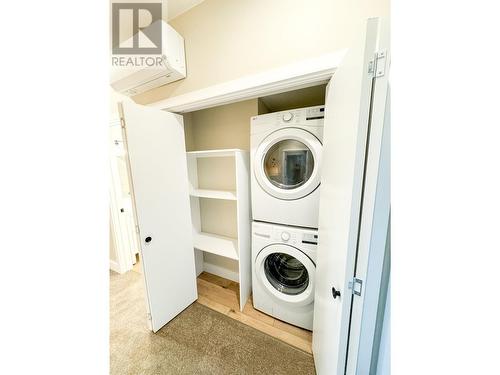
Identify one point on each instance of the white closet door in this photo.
(346, 127)
(159, 184)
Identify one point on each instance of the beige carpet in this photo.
(197, 341)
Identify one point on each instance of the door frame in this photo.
(300, 74)
(373, 259)
(124, 259)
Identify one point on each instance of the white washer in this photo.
(283, 272)
(286, 150)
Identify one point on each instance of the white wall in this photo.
(226, 39)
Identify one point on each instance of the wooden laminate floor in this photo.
(221, 295)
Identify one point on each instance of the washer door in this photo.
(286, 273)
(288, 162)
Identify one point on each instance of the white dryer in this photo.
(286, 150)
(283, 270)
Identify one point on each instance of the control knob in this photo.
(287, 117)
(285, 236)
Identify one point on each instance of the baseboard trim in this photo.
(221, 271)
(114, 266)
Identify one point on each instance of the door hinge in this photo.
(356, 286)
(376, 67)
(148, 315)
(137, 229)
(122, 122)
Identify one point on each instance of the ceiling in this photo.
(177, 7)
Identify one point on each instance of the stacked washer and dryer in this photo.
(286, 152)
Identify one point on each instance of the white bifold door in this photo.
(159, 184)
(350, 103)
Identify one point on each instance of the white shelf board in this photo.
(213, 153)
(214, 194)
(215, 244)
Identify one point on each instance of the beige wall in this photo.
(228, 39)
(226, 126)
(188, 131)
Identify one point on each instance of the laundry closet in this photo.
(218, 148)
(217, 144)
(190, 176)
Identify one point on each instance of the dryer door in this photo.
(288, 162)
(286, 273)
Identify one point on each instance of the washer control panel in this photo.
(303, 239)
(310, 238)
(290, 235)
(285, 236)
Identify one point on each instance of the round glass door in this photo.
(286, 273)
(288, 164)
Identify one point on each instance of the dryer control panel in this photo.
(310, 116)
(315, 113)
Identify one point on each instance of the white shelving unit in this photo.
(223, 176)
(214, 194)
(218, 245)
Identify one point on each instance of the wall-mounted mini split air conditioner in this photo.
(132, 79)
